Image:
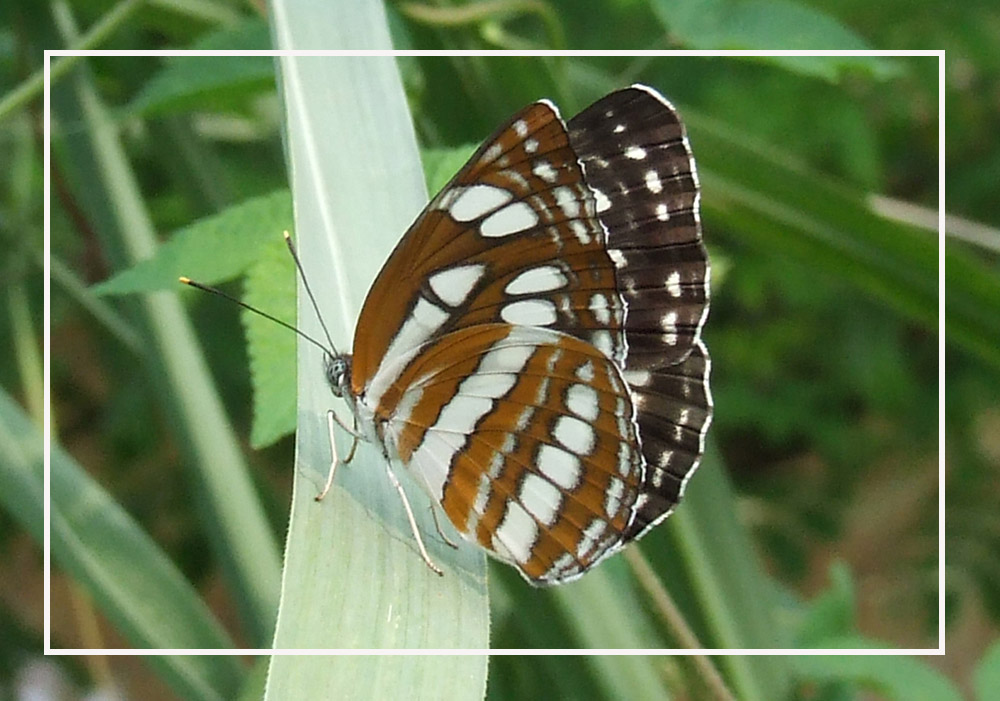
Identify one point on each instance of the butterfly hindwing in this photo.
(526, 437)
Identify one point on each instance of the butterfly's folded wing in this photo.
(526, 437)
(589, 232)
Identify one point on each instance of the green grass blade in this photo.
(237, 522)
(99, 545)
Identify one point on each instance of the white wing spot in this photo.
(476, 201)
(544, 278)
(461, 414)
(510, 220)
(585, 372)
(590, 535)
(544, 170)
(509, 359)
(516, 534)
(636, 153)
(582, 232)
(602, 341)
(521, 127)
(583, 401)
(560, 467)
(567, 202)
(492, 153)
(613, 497)
(669, 323)
(617, 257)
(530, 312)
(653, 183)
(624, 459)
(541, 498)
(454, 284)
(673, 284)
(599, 305)
(482, 500)
(574, 434)
(423, 322)
(665, 458)
(602, 201)
(637, 378)
(531, 145)
(662, 213)
(619, 128)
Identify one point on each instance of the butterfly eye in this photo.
(336, 369)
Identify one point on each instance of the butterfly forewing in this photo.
(513, 238)
(635, 153)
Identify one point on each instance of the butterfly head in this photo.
(337, 369)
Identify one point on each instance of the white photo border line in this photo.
(273, 53)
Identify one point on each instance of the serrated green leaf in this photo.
(269, 285)
(893, 677)
(211, 82)
(211, 250)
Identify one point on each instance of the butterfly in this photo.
(531, 350)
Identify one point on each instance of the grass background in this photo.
(820, 488)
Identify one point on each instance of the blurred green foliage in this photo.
(826, 387)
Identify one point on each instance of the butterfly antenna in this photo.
(305, 283)
(220, 293)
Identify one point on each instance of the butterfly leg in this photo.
(331, 419)
(413, 522)
(437, 525)
(354, 443)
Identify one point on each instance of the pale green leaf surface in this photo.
(212, 250)
(893, 677)
(98, 544)
(352, 575)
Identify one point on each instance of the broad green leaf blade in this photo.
(210, 82)
(212, 250)
(797, 213)
(770, 24)
(353, 577)
(892, 677)
(99, 545)
(986, 678)
(832, 613)
(972, 303)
